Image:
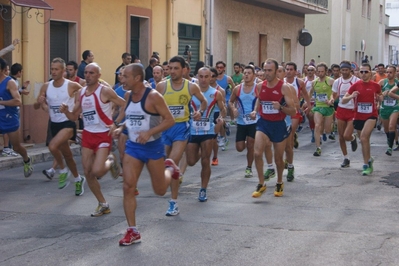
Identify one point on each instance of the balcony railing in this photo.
(320, 3)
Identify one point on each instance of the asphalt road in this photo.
(327, 216)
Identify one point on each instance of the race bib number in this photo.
(177, 111)
(248, 120)
(365, 108)
(135, 121)
(267, 108)
(388, 101)
(203, 124)
(321, 97)
(90, 118)
(55, 109)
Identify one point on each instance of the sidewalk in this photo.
(38, 153)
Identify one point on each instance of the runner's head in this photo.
(176, 67)
(270, 67)
(322, 69)
(57, 68)
(345, 69)
(92, 74)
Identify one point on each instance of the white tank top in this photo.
(56, 96)
(96, 114)
(341, 87)
(308, 84)
(138, 119)
(294, 84)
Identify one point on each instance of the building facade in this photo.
(228, 30)
(350, 30)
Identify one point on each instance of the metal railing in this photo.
(320, 3)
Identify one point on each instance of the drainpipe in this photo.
(169, 28)
(24, 43)
(209, 6)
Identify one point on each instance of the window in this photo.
(140, 38)
(369, 9)
(189, 36)
(348, 5)
(63, 40)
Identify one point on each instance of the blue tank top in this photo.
(205, 126)
(245, 105)
(225, 85)
(9, 115)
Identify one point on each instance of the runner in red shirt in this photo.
(364, 94)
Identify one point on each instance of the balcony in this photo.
(294, 7)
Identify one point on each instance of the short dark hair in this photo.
(124, 55)
(322, 64)
(237, 64)
(214, 71)
(366, 65)
(3, 64)
(250, 67)
(178, 59)
(72, 63)
(291, 64)
(153, 60)
(198, 65)
(335, 66)
(86, 54)
(165, 63)
(15, 68)
(272, 61)
(221, 62)
(381, 64)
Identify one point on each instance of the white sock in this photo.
(77, 179)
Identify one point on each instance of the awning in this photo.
(39, 4)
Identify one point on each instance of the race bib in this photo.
(177, 111)
(365, 108)
(203, 124)
(267, 108)
(55, 109)
(135, 121)
(388, 101)
(322, 97)
(248, 120)
(90, 118)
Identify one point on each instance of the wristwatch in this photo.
(201, 112)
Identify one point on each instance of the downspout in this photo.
(169, 28)
(24, 42)
(211, 17)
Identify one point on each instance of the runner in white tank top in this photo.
(95, 102)
(54, 94)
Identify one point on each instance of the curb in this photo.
(37, 156)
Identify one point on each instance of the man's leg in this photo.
(206, 151)
(15, 142)
(365, 134)
(319, 128)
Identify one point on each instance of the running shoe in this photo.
(227, 128)
(331, 136)
(130, 237)
(324, 137)
(354, 143)
(396, 148)
(371, 161)
(28, 168)
(115, 168)
(299, 129)
(220, 140)
(63, 180)
(389, 152)
(296, 143)
(215, 161)
(79, 186)
(248, 172)
(317, 152)
(48, 173)
(290, 174)
(202, 195)
(366, 170)
(345, 163)
(102, 208)
(260, 189)
(173, 209)
(170, 164)
(226, 144)
(9, 152)
(279, 190)
(270, 173)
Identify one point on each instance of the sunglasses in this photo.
(364, 71)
